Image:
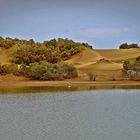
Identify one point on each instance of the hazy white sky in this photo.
(101, 23)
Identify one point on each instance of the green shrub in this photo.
(51, 76)
(48, 71)
(131, 71)
(9, 69)
(127, 65)
(27, 54)
(66, 47)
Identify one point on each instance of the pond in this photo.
(64, 114)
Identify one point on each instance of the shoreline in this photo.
(66, 83)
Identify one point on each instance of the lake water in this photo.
(70, 115)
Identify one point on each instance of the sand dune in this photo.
(86, 56)
(89, 59)
(119, 54)
(103, 66)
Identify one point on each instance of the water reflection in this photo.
(63, 89)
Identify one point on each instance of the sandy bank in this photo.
(66, 83)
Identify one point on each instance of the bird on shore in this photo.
(69, 85)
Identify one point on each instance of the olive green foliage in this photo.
(29, 51)
(127, 65)
(87, 45)
(128, 46)
(48, 71)
(40, 70)
(6, 43)
(131, 70)
(26, 54)
(66, 47)
(8, 69)
(3, 69)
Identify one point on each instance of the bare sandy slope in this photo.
(4, 59)
(103, 66)
(85, 57)
(89, 59)
(119, 54)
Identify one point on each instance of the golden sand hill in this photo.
(119, 54)
(85, 57)
(103, 65)
(103, 62)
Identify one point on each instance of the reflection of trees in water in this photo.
(62, 89)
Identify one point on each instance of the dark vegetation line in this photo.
(129, 46)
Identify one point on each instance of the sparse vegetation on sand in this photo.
(131, 70)
(60, 59)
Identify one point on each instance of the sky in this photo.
(101, 23)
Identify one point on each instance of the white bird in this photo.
(69, 85)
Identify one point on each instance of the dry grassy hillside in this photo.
(90, 58)
(103, 66)
(119, 54)
(103, 62)
(85, 57)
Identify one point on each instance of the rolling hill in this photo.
(93, 60)
(103, 62)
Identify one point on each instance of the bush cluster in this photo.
(9, 69)
(41, 71)
(48, 71)
(26, 54)
(29, 51)
(128, 46)
(131, 70)
(66, 47)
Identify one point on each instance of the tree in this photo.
(92, 76)
(127, 65)
(126, 46)
(131, 71)
(123, 46)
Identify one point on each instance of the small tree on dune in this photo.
(92, 76)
